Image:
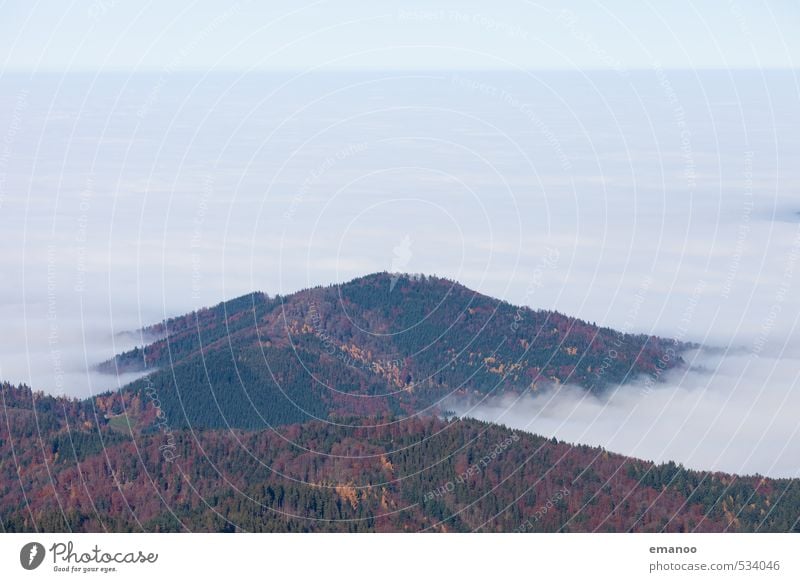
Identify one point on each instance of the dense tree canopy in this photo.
(67, 465)
(373, 347)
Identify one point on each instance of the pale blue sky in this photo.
(124, 35)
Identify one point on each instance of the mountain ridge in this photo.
(321, 411)
(379, 344)
(68, 466)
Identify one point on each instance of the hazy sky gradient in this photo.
(121, 35)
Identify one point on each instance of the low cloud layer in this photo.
(670, 204)
(733, 412)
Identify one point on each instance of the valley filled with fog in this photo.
(650, 201)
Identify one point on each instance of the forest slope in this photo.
(381, 344)
(64, 466)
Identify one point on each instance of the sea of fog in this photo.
(653, 201)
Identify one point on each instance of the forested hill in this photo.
(74, 466)
(381, 344)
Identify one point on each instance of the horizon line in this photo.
(421, 69)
